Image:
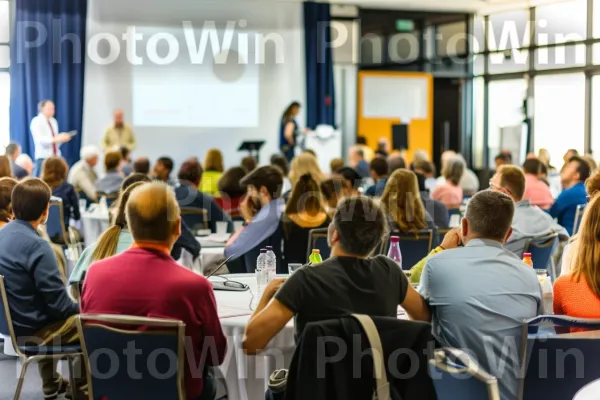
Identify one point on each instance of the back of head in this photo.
(402, 200)
(125, 152)
(583, 168)
(395, 162)
(112, 161)
(249, 163)
(425, 166)
(30, 199)
(141, 166)
(279, 161)
(532, 166)
(311, 152)
(54, 171)
(214, 161)
(153, 213)
(229, 184)
(7, 186)
(89, 153)
(591, 162)
(336, 164)
(332, 189)
(454, 169)
(503, 158)
(351, 177)
(379, 166)
(513, 180)
(304, 164)
(5, 167)
(592, 184)
(134, 178)
(420, 155)
(361, 140)
(490, 215)
(306, 197)
(268, 177)
(361, 224)
(12, 149)
(167, 162)
(587, 258)
(190, 172)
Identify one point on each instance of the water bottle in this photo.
(394, 252)
(261, 271)
(315, 257)
(271, 264)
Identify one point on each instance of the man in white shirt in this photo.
(82, 174)
(46, 137)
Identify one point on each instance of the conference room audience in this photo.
(305, 210)
(536, 190)
(482, 291)
(378, 170)
(450, 193)
(141, 166)
(231, 192)
(352, 181)
(336, 164)
(332, 190)
(249, 164)
(36, 294)
(162, 170)
(82, 174)
(190, 180)
(265, 184)
(349, 282)
(13, 151)
(304, 164)
(25, 162)
(529, 221)
(577, 294)
(5, 169)
(6, 188)
(395, 162)
(278, 160)
(118, 135)
(361, 143)
(146, 281)
(469, 182)
(573, 176)
(126, 163)
(54, 173)
(111, 182)
(427, 169)
(213, 170)
(402, 201)
(357, 161)
(435, 208)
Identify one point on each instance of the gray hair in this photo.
(12, 148)
(89, 152)
(454, 169)
(42, 104)
(361, 223)
(395, 162)
(420, 155)
(490, 215)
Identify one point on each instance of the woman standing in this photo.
(287, 131)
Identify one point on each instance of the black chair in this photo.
(457, 376)
(542, 249)
(195, 218)
(55, 227)
(317, 239)
(557, 366)
(413, 246)
(32, 353)
(578, 217)
(159, 344)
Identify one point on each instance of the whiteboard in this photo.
(395, 97)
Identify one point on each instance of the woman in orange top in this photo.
(578, 294)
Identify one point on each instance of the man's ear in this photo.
(464, 227)
(177, 227)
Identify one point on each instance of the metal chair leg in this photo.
(21, 378)
(72, 378)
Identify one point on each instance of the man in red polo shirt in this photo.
(145, 281)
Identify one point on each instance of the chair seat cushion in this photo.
(49, 350)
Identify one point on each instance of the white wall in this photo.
(109, 87)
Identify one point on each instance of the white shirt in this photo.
(42, 136)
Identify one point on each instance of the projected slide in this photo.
(211, 83)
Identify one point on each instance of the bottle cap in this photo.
(316, 251)
(263, 250)
(395, 239)
(269, 248)
(526, 255)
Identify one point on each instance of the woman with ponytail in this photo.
(305, 210)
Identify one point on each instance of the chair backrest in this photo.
(413, 246)
(195, 218)
(159, 368)
(578, 216)
(55, 227)
(456, 376)
(275, 241)
(542, 249)
(110, 197)
(557, 366)
(6, 325)
(317, 239)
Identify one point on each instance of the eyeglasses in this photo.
(499, 188)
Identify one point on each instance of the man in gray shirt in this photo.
(480, 294)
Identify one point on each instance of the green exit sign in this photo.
(405, 25)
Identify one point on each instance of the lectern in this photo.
(253, 148)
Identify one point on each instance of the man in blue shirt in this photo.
(41, 310)
(573, 176)
(480, 294)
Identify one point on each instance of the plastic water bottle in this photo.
(394, 253)
(271, 264)
(315, 257)
(261, 271)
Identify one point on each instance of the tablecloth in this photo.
(247, 376)
(93, 224)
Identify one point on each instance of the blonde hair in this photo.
(305, 164)
(587, 259)
(214, 160)
(5, 168)
(592, 184)
(109, 240)
(544, 156)
(402, 200)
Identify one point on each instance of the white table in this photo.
(247, 377)
(591, 391)
(93, 224)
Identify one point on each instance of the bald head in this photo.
(118, 116)
(153, 214)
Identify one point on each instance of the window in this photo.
(509, 61)
(509, 30)
(4, 75)
(560, 57)
(595, 145)
(561, 22)
(505, 109)
(559, 114)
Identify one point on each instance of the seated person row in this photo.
(231, 192)
(378, 170)
(54, 173)
(146, 281)
(162, 171)
(450, 192)
(573, 177)
(213, 170)
(536, 190)
(469, 183)
(111, 182)
(82, 174)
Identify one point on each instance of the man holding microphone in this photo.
(46, 137)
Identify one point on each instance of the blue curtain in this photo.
(320, 102)
(48, 62)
